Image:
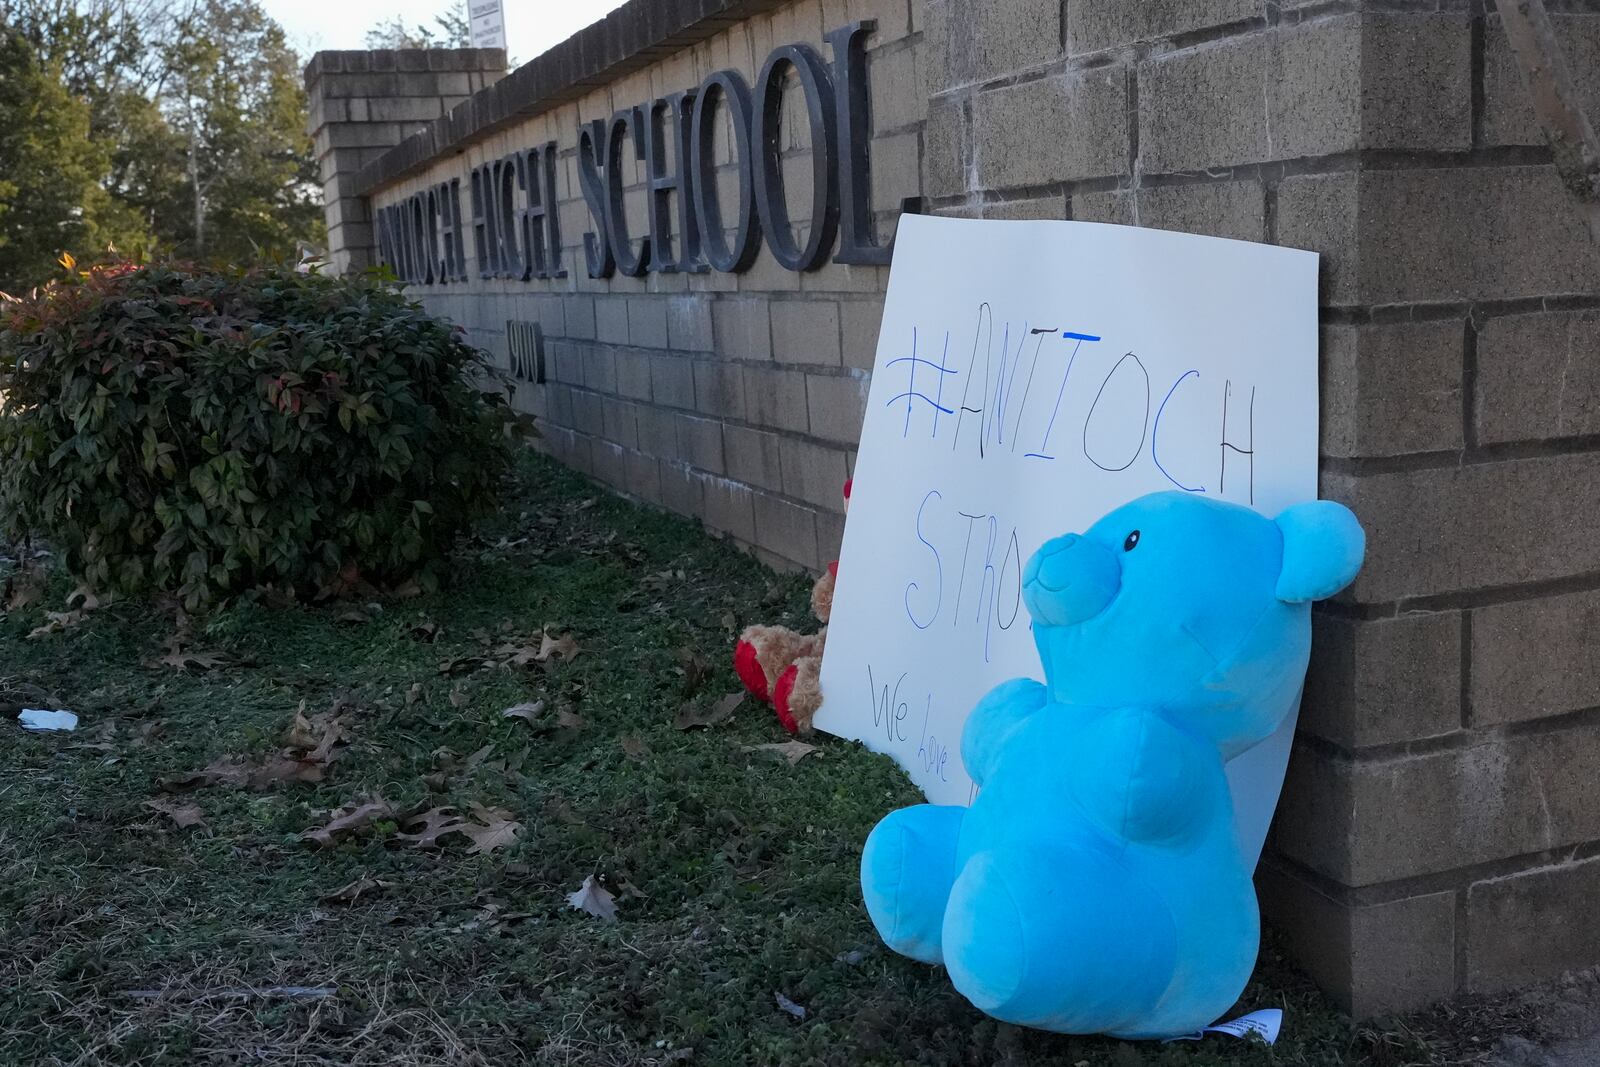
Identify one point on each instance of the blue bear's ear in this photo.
(1323, 545)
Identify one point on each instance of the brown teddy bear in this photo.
(779, 665)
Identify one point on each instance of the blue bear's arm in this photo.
(1144, 780)
(1000, 711)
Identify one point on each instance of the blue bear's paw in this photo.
(1061, 942)
(906, 872)
(1002, 709)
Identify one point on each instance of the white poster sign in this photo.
(1031, 376)
(488, 23)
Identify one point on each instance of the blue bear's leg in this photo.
(906, 871)
(1063, 940)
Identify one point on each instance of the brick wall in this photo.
(1437, 832)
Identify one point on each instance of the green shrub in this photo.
(204, 432)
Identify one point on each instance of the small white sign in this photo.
(1031, 376)
(488, 23)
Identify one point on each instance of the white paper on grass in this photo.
(1264, 1024)
(39, 719)
(1031, 376)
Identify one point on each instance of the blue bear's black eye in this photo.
(1132, 542)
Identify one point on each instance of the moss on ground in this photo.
(126, 940)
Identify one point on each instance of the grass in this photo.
(125, 940)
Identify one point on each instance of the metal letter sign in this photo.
(673, 138)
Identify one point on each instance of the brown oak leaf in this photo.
(56, 622)
(793, 751)
(347, 820)
(225, 770)
(314, 739)
(183, 659)
(280, 769)
(691, 714)
(430, 826)
(494, 828)
(564, 647)
(182, 815)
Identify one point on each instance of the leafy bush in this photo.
(204, 432)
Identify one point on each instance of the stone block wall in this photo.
(734, 397)
(1437, 833)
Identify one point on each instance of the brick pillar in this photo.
(1439, 831)
(364, 103)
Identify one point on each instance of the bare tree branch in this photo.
(1555, 101)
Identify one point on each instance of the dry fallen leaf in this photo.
(310, 747)
(526, 712)
(488, 829)
(313, 740)
(564, 647)
(432, 825)
(301, 733)
(346, 820)
(693, 667)
(789, 1006)
(56, 622)
(357, 889)
(226, 770)
(635, 748)
(280, 769)
(691, 715)
(182, 815)
(595, 899)
(463, 663)
(793, 751)
(181, 657)
(22, 589)
(495, 828)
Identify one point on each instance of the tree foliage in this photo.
(233, 95)
(452, 29)
(194, 135)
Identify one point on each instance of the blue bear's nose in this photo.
(1070, 579)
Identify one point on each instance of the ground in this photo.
(125, 939)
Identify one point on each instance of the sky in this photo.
(532, 26)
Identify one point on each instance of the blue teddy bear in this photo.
(1096, 884)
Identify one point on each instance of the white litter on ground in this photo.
(33, 719)
(1264, 1024)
